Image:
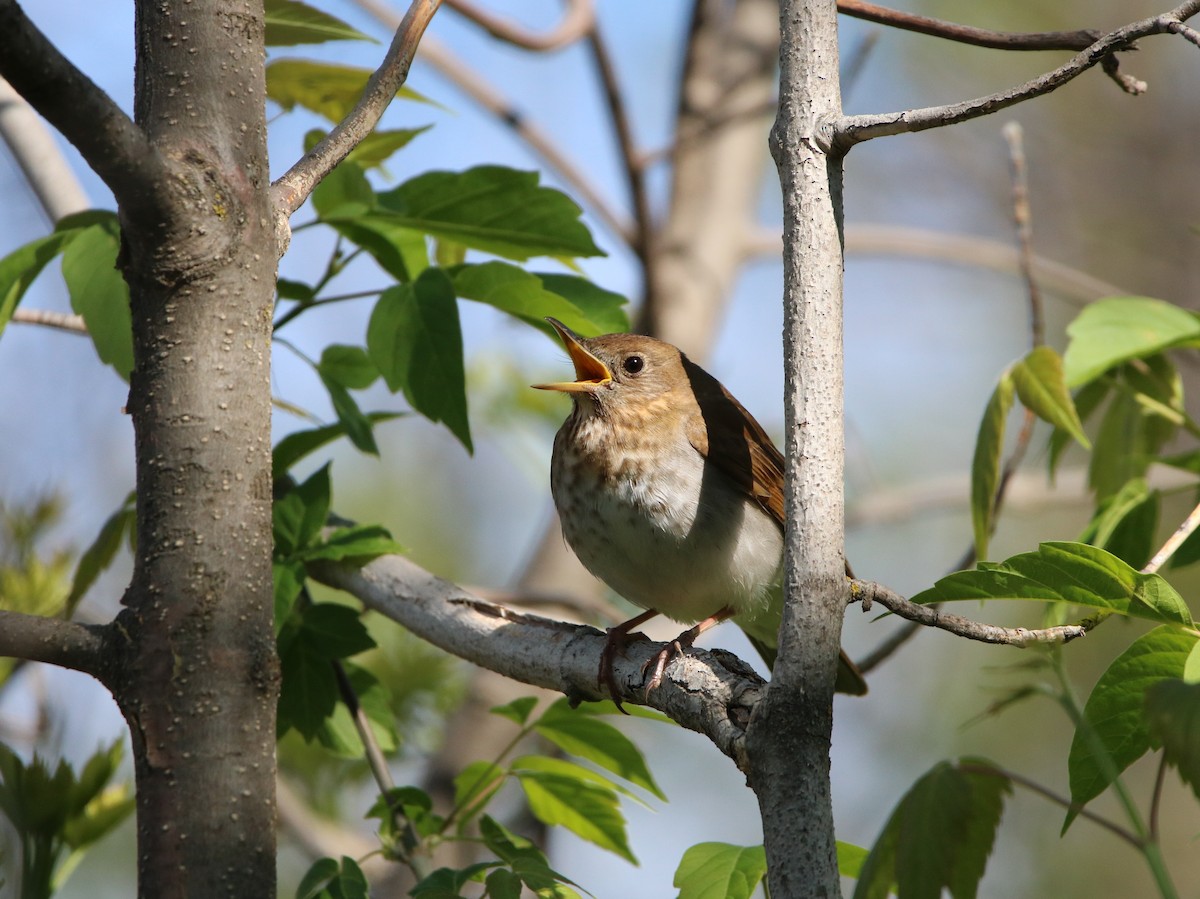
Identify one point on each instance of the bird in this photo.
(671, 493)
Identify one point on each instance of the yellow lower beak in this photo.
(590, 373)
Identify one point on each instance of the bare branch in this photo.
(294, 186)
(868, 592)
(41, 161)
(709, 692)
(577, 20)
(63, 321)
(67, 644)
(849, 130)
(1175, 541)
(107, 138)
(966, 34)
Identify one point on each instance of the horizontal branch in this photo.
(850, 130)
(67, 644)
(967, 34)
(294, 186)
(712, 693)
(108, 139)
(577, 20)
(48, 318)
(868, 592)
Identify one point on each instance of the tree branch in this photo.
(290, 191)
(712, 693)
(63, 321)
(67, 644)
(967, 34)
(868, 592)
(109, 141)
(849, 130)
(578, 18)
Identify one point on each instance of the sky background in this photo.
(1114, 193)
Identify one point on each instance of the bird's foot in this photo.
(615, 641)
(658, 662)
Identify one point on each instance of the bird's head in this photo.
(618, 369)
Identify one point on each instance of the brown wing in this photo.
(728, 436)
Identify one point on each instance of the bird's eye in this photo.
(633, 364)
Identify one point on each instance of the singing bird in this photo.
(672, 494)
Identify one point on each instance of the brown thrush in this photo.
(672, 494)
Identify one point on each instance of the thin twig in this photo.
(850, 130)
(868, 592)
(294, 186)
(63, 321)
(1023, 220)
(1034, 787)
(481, 91)
(1156, 797)
(967, 34)
(578, 18)
(1185, 530)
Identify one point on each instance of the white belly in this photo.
(688, 545)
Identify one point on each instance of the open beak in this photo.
(590, 372)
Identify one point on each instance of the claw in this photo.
(614, 644)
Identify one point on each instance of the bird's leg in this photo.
(679, 644)
(614, 643)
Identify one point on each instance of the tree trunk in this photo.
(197, 675)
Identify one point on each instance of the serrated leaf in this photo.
(447, 883)
(21, 267)
(516, 711)
(605, 308)
(985, 468)
(328, 89)
(335, 631)
(415, 341)
(1117, 329)
(588, 810)
(103, 814)
(308, 691)
(297, 517)
(99, 555)
(503, 884)
(519, 293)
(295, 446)
(495, 209)
(597, 741)
(720, 871)
(1067, 572)
(543, 764)
(939, 837)
(290, 22)
(344, 193)
(364, 542)
(1115, 734)
(400, 251)
(1039, 382)
(100, 295)
(1173, 716)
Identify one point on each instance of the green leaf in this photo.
(588, 810)
(516, 711)
(344, 193)
(356, 425)
(985, 469)
(602, 307)
(297, 518)
(335, 631)
(288, 581)
(290, 22)
(544, 764)
(400, 251)
(295, 446)
(1191, 668)
(939, 836)
(102, 815)
(378, 146)
(850, 859)
(494, 209)
(597, 741)
(1121, 452)
(348, 366)
(326, 879)
(97, 557)
(328, 89)
(1038, 379)
(1125, 523)
(720, 871)
(1117, 329)
(308, 691)
(517, 292)
(1067, 572)
(1173, 716)
(100, 295)
(415, 341)
(339, 734)
(313, 882)
(1087, 400)
(447, 883)
(1114, 734)
(526, 860)
(474, 787)
(19, 269)
(294, 290)
(363, 542)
